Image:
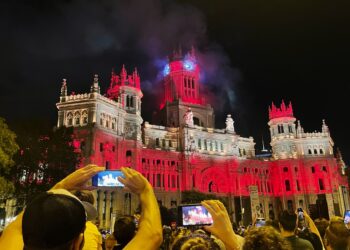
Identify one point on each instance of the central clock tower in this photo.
(182, 91)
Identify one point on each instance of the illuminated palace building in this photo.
(181, 150)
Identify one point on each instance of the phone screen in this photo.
(107, 178)
(300, 214)
(260, 222)
(191, 215)
(347, 217)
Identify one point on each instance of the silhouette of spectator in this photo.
(288, 225)
(92, 237)
(124, 231)
(337, 235)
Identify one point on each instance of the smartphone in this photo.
(108, 178)
(194, 215)
(300, 214)
(260, 222)
(347, 217)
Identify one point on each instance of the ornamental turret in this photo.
(63, 90)
(95, 87)
(125, 89)
(181, 79)
(283, 131)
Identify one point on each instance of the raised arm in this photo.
(222, 227)
(313, 227)
(149, 234)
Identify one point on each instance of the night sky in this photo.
(251, 52)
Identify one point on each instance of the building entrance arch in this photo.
(214, 181)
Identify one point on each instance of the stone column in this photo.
(101, 206)
(108, 209)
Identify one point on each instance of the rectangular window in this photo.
(321, 184)
(287, 183)
(107, 164)
(101, 147)
(298, 186)
(158, 183)
(173, 181)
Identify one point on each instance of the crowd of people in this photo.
(63, 219)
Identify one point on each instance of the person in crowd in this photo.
(55, 219)
(274, 224)
(124, 231)
(92, 237)
(110, 242)
(200, 241)
(321, 224)
(306, 234)
(288, 224)
(265, 238)
(64, 236)
(337, 235)
(312, 234)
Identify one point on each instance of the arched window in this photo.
(114, 122)
(85, 117)
(310, 151)
(157, 142)
(324, 169)
(313, 169)
(196, 121)
(199, 143)
(77, 118)
(315, 151)
(321, 151)
(131, 101)
(69, 119)
(285, 169)
(212, 187)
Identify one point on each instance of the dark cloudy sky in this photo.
(252, 52)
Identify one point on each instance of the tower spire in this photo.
(263, 145)
(95, 88)
(64, 87)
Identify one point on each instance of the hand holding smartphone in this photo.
(300, 214)
(194, 215)
(260, 222)
(108, 178)
(347, 217)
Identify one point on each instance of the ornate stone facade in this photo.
(182, 150)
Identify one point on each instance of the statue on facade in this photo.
(229, 124)
(188, 117)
